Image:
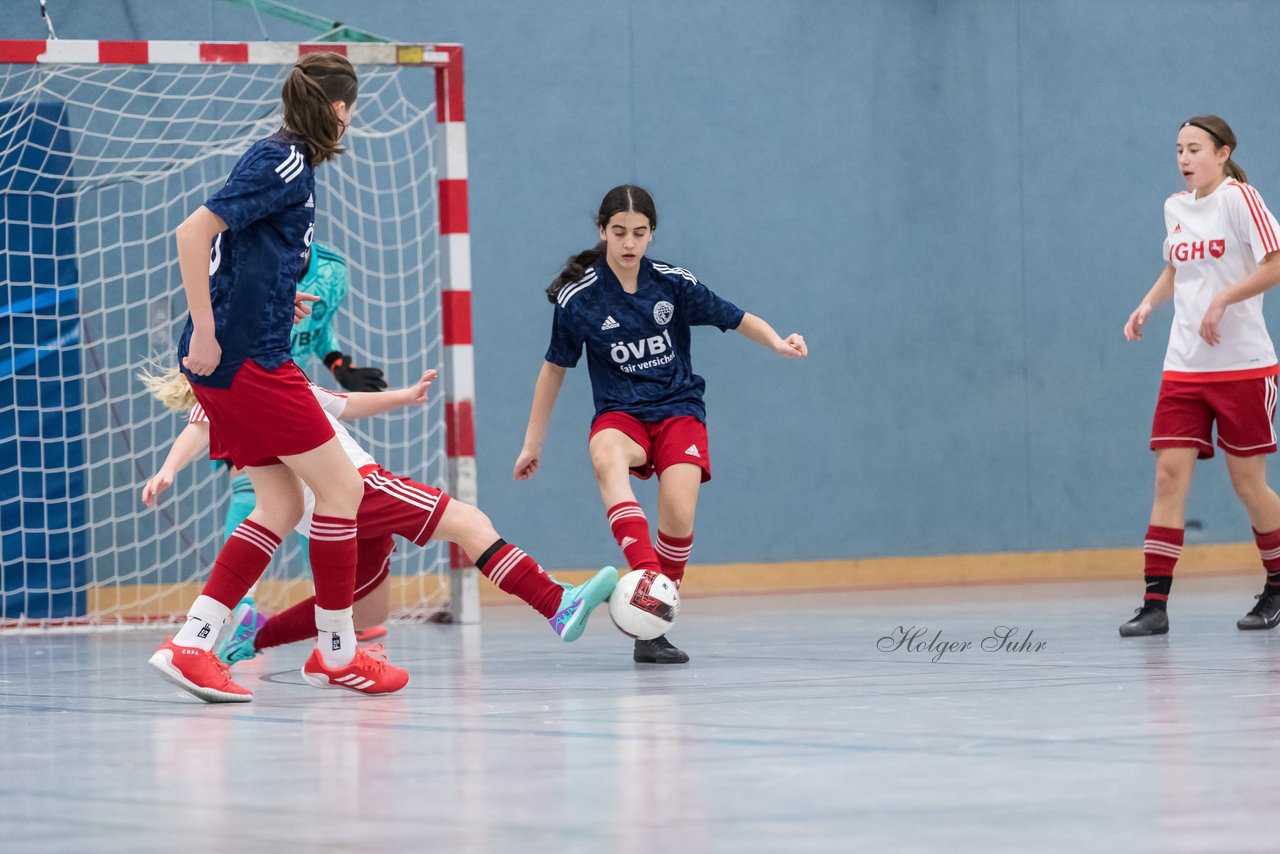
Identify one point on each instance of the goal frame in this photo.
(455, 297)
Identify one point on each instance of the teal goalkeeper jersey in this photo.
(327, 279)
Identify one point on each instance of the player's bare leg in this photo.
(1249, 479)
(1163, 545)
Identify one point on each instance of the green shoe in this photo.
(578, 603)
(243, 626)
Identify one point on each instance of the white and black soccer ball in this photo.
(644, 604)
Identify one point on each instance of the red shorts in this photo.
(682, 439)
(1244, 410)
(373, 563)
(263, 416)
(398, 505)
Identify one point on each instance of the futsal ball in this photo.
(644, 604)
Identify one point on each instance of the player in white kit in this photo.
(392, 505)
(1221, 251)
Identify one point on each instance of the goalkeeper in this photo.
(325, 278)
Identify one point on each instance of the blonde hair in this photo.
(169, 387)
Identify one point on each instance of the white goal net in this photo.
(99, 162)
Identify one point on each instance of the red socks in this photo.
(298, 622)
(240, 563)
(518, 574)
(1160, 552)
(631, 530)
(673, 554)
(1269, 549)
(333, 561)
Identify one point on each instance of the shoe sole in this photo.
(162, 661)
(591, 600)
(1143, 634)
(637, 660)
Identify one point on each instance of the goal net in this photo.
(104, 149)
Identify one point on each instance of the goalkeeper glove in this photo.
(352, 378)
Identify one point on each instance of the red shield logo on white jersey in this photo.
(1217, 247)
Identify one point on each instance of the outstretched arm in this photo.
(545, 392)
(755, 328)
(361, 404)
(190, 443)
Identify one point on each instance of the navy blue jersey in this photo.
(638, 344)
(268, 204)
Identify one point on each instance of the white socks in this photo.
(203, 622)
(335, 637)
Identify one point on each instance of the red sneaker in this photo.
(371, 633)
(369, 673)
(198, 671)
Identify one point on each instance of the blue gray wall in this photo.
(958, 204)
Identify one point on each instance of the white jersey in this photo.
(1213, 243)
(333, 405)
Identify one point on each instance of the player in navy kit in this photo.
(633, 316)
(393, 504)
(313, 337)
(241, 255)
(1221, 252)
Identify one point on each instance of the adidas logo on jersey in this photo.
(1177, 228)
(609, 323)
(311, 201)
(692, 451)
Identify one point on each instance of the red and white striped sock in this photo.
(520, 575)
(1269, 549)
(631, 530)
(673, 555)
(298, 622)
(240, 563)
(332, 549)
(1160, 551)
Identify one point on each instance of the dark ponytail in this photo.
(1222, 135)
(316, 81)
(575, 268)
(624, 198)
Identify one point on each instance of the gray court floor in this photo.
(801, 725)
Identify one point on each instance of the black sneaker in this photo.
(1265, 615)
(658, 651)
(1149, 621)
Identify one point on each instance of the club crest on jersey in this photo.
(663, 312)
(1194, 250)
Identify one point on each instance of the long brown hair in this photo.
(1222, 135)
(316, 81)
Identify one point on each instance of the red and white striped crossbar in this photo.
(446, 59)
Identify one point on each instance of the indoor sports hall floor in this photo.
(790, 731)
